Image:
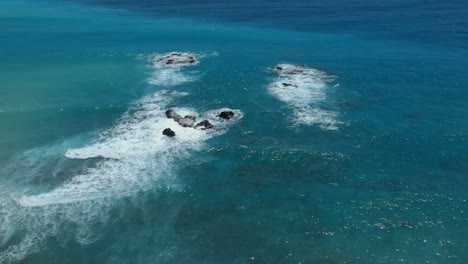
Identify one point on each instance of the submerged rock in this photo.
(205, 124)
(226, 115)
(168, 132)
(173, 59)
(291, 69)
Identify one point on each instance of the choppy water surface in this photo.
(348, 144)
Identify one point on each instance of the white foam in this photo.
(327, 120)
(302, 88)
(39, 223)
(171, 77)
(132, 156)
(172, 74)
(135, 151)
(135, 157)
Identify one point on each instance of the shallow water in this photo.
(365, 162)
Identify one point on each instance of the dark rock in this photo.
(168, 132)
(172, 114)
(278, 68)
(190, 117)
(226, 115)
(288, 84)
(205, 124)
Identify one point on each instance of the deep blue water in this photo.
(364, 160)
(425, 21)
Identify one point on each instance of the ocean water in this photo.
(354, 150)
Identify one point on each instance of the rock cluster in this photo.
(226, 115)
(182, 59)
(189, 121)
(176, 59)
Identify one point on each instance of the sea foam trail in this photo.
(135, 153)
(302, 88)
(132, 156)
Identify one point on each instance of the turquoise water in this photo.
(370, 168)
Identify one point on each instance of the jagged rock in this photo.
(187, 121)
(288, 84)
(172, 114)
(205, 124)
(168, 132)
(190, 117)
(176, 59)
(177, 118)
(226, 115)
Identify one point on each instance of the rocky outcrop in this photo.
(179, 59)
(187, 121)
(168, 132)
(190, 117)
(172, 114)
(205, 124)
(226, 115)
